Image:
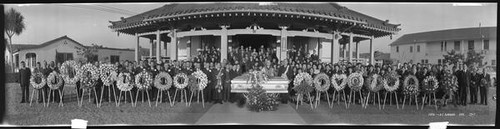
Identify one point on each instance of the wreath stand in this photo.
(390, 99)
(109, 94)
(142, 92)
(183, 96)
(299, 99)
(404, 99)
(159, 97)
(62, 93)
(198, 94)
(368, 98)
(52, 92)
(351, 98)
(125, 98)
(318, 94)
(335, 92)
(80, 104)
(431, 95)
(38, 94)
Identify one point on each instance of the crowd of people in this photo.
(241, 60)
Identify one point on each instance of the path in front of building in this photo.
(230, 113)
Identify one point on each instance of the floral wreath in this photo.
(123, 82)
(355, 81)
(483, 83)
(88, 82)
(34, 78)
(374, 83)
(54, 76)
(201, 79)
(67, 65)
(336, 78)
(167, 79)
(302, 83)
(321, 78)
(410, 89)
(392, 78)
(146, 80)
(450, 83)
(106, 71)
(430, 84)
(184, 82)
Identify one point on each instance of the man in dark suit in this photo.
(474, 83)
(24, 81)
(463, 84)
(46, 71)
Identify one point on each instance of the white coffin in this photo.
(273, 85)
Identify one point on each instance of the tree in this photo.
(453, 57)
(89, 52)
(14, 24)
(474, 58)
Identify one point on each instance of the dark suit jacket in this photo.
(24, 76)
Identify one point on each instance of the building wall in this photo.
(48, 53)
(432, 52)
(105, 54)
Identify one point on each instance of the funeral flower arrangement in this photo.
(410, 88)
(143, 80)
(303, 83)
(89, 74)
(256, 77)
(374, 83)
(37, 80)
(69, 70)
(430, 84)
(336, 78)
(123, 81)
(201, 79)
(257, 99)
(355, 81)
(163, 81)
(321, 82)
(450, 82)
(181, 80)
(106, 71)
(391, 82)
(54, 80)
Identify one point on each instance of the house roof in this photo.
(18, 47)
(322, 10)
(450, 34)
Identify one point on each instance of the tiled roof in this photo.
(451, 34)
(324, 10)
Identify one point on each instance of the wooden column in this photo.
(335, 48)
(151, 49)
(372, 54)
(357, 50)
(349, 51)
(158, 46)
(284, 43)
(223, 42)
(137, 58)
(173, 45)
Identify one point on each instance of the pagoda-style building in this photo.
(184, 28)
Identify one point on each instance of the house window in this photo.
(426, 61)
(397, 48)
(471, 44)
(445, 46)
(423, 61)
(418, 48)
(457, 45)
(411, 48)
(442, 45)
(493, 62)
(486, 45)
(114, 59)
(439, 61)
(61, 57)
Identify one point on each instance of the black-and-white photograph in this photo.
(250, 63)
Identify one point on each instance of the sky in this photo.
(88, 23)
